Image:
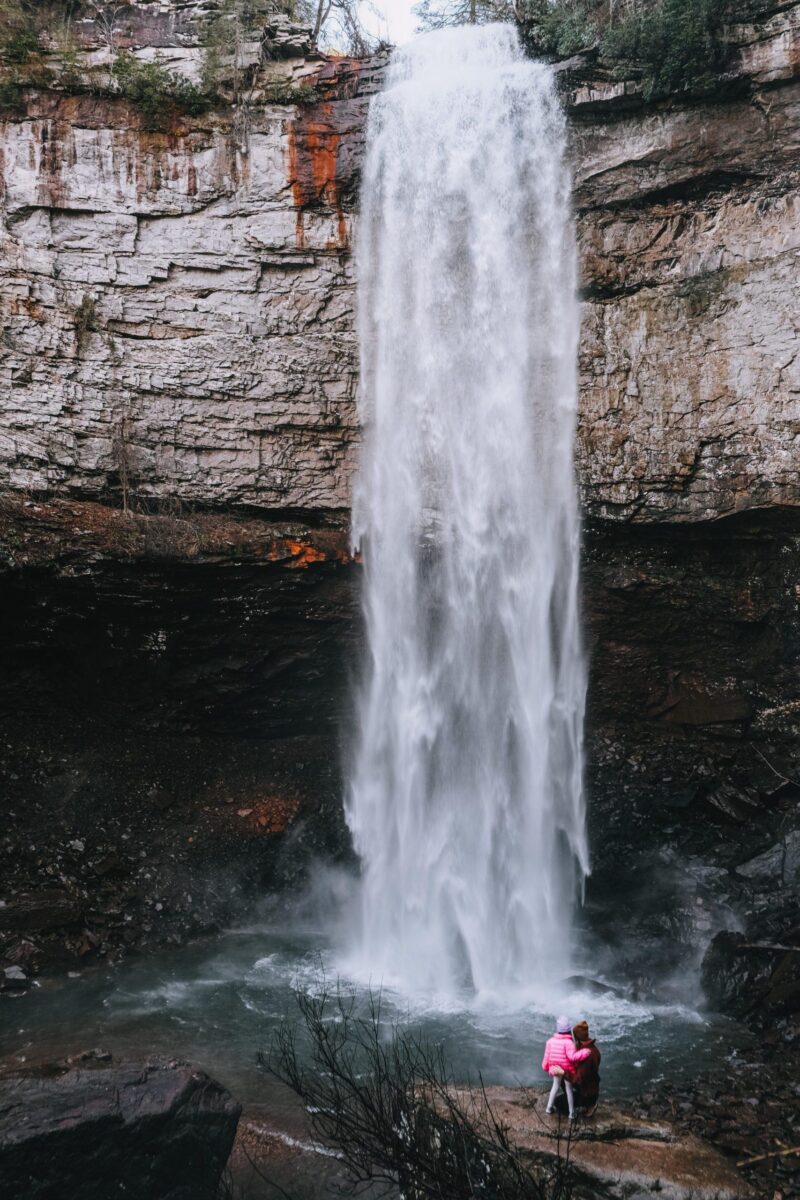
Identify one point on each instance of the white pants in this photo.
(556, 1088)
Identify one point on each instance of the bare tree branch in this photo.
(385, 1100)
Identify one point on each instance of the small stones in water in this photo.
(13, 979)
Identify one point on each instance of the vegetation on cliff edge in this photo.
(673, 45)
(677, 45)
(234, 49)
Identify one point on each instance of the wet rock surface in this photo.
(760, 980)
(170, 734)
(695, 808)
(692, 738)
(618, 1154)
(173, 728)
(95, 1129)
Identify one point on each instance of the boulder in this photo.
(615, 1155)
(780, 863)
(149, 1131)
(755, 979)
(591, 987)
(13, 979)
(42, 910)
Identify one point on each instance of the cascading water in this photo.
(465, 799)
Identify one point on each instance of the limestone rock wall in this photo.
(690, 376)
(177, 311)
(178, 307)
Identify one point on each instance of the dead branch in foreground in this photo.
(385, 1100)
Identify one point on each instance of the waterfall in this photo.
(465, 793)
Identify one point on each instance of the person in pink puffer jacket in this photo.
(560, 1056)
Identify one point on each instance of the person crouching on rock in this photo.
(561, 1057)
(587, 1072)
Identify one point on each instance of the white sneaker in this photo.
(549, 1112)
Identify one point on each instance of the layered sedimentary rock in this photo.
(690, 381)
(179, 305)
(179, 313)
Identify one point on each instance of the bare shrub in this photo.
(385, 1100)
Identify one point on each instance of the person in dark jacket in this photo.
(587, 1070)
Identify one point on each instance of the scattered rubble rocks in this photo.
(13, 979)
(151, 874)
(749, 1109)
(169, 735)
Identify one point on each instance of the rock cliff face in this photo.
(178, 318)
(689, 367)
(179, 305)
(178, 312)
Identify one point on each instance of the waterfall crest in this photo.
(465, 794)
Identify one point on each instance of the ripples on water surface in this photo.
(216, 1004)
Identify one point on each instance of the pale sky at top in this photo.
(398, 21)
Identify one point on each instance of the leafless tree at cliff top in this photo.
(439, 14)
(106, 19)
(339, 24)
(385, 1100)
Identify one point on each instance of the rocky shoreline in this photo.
(748, 1109)
(162, 1130)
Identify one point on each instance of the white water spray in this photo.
(465, 799)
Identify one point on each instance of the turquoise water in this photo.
(217, 1003)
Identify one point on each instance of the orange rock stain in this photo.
(313, 154)
(300, 555)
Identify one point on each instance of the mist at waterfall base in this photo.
(215, 1004)
(465, 800)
